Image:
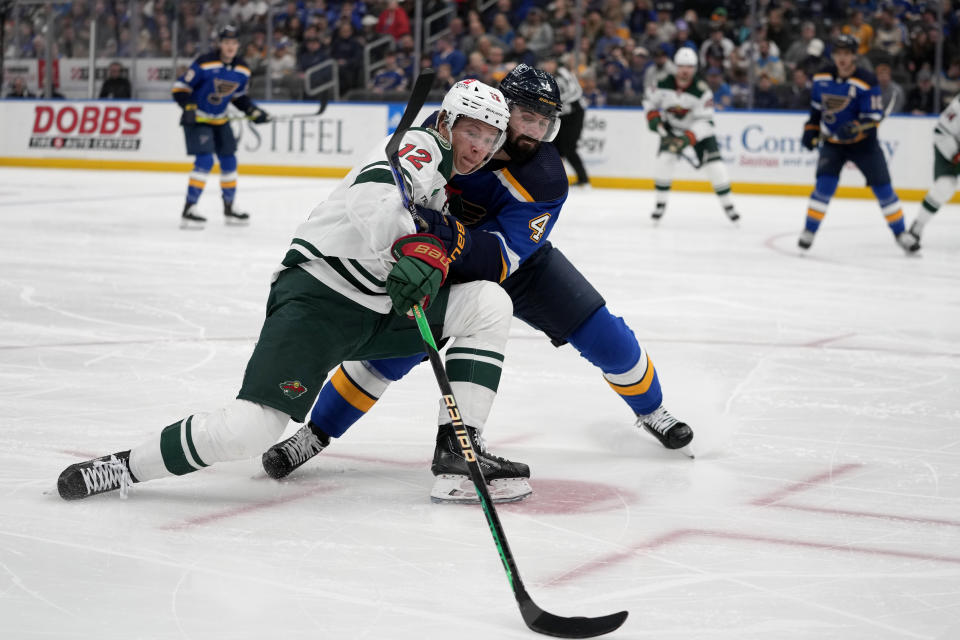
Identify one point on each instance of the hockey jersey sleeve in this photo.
(946, 133)
(702, 125)
(651, 106)
(373, 202)
(185, 84)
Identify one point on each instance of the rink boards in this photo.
(761, 149)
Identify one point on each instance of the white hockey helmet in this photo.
(474, 99)
(685, 57)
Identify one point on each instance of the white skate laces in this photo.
(302, 446)
(105, 475)
(660, 420)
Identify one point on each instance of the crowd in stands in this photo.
(625, 47)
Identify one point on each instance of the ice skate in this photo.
(916, 229)
(658, 212)
(283, 457)
(100, 475)
(671, 433)
(908, 241)
(507, 481)
(190, 218)
(234, 216)
(805, 240)
(732, 214)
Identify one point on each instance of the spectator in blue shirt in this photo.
(722, 97)
(390, 77)
(446, 53)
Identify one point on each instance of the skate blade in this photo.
(687, 451)
(192, 225)
(454, 489)
(233, 222)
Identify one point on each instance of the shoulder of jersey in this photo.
(240, 62)
(825, 73)
(667, 83)
(210, 56)
(699, 86)
(543, 176)
(865, 77)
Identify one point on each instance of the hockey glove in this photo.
(258, 115)
(654, 122)
(676, 144)
(452, 233)
(811, 136)
(421, 268)
(189, 115)
(850, 130)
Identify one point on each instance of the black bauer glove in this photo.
(421, 269)
(189, 115)
(452, 233)
(258, 115)
(811, 136)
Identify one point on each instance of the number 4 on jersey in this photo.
(418, 159)
(539, 227)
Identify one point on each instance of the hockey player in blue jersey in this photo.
(212, 82)
(845, 109)
(502, 217)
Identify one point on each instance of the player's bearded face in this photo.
(526, 130)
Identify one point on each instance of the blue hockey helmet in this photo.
(535, 90)
(846, 41)
(228, 32)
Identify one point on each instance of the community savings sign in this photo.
(758, 147)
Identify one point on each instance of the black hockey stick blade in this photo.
(577, 627)
(418, 95)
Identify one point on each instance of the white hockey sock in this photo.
(239, 430)
(478, 316)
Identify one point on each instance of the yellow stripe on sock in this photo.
(353, 394)
(816, 215)
(896, 215)
(639, 388)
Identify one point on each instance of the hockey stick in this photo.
(536, 618)
(281, 118)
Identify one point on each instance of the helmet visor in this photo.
(533, 125)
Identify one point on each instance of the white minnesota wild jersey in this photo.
(689, 109)
(345, 243)
(946, 135)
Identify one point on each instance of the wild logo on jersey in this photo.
(678, 112)
(293, 389)
(222, 89)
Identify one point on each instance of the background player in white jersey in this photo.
(680, 111)
(357, 257)
(946, 165)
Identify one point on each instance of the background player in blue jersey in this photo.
(845, 109)
(212, 82)
(502, 216)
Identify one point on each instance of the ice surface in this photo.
(824, 391)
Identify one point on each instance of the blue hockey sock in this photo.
(198, 176)
(608, 343)
(825, 187)
(353, 390)
(228, 177)
(890, 206)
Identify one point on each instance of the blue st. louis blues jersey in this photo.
(212, 84)
(516, 202)
(836, 103)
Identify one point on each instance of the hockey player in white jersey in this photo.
(680, 111)
(343, 291)
(946, 165)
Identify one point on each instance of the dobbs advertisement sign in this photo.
(90, 127)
